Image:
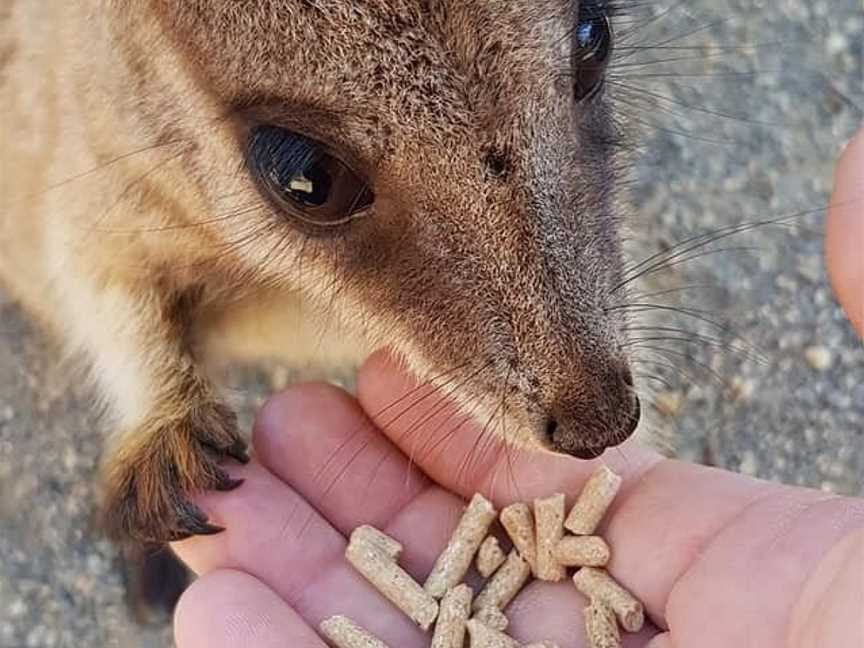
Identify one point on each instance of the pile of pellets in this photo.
(541, 547)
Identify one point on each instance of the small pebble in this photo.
(829, 487)
(749, 464)
(743, 388)
(836, 44)
(17, 608)
(818, 357)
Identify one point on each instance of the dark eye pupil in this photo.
(304, 179)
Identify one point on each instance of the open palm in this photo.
(718, 559)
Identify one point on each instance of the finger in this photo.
(466, 457)
(661, 641)
(317, 439)
(668, 515)
(845, 232)
(274, 535)
(225, 609)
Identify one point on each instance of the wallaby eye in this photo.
(592, 49)
(305, 179)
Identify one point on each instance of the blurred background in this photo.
(744, 107)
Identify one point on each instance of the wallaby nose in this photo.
(589, 420)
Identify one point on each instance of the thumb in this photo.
(844, 244)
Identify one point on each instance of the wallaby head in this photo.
(442, 173)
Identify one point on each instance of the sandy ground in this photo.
(747, 130)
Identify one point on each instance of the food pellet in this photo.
(493, 618)
(455, 561)
(593, 502)
(549, 521)
(582, 551)
(390, 547)
(490, 557)
(342, 632)
(597, 584)
(453, 615)
(542, 644)
(392, 581)
(601, 627)
(483, 636)
(518, 521)
(505, 584)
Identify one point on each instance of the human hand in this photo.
(719, 560)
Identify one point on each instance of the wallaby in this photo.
(440, 177)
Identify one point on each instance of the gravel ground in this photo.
(752, 125)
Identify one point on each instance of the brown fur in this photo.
(491, 252)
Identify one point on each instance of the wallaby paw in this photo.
(152, 475)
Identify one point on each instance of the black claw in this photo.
(225, 483)
(238, 452)
(208, 529)
(192, 524)
(202, 527)
(228, 484)
(192, 521)
(179, 536)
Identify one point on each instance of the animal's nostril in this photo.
(551, 428)
(497, 163)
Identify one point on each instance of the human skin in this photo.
(718, 559)
(844, 239)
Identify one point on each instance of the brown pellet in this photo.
(549, 522)
(505, 584)
(597, 584)
(490, 557)
(455, 561)
(455, 610)
(593, 502)
(482, 636)
(582, 551)
(342, 632)
(601, 626)
(391, 548)
(493, 618)
(397, 586)
(518, 521)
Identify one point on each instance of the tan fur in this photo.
(131, 226)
